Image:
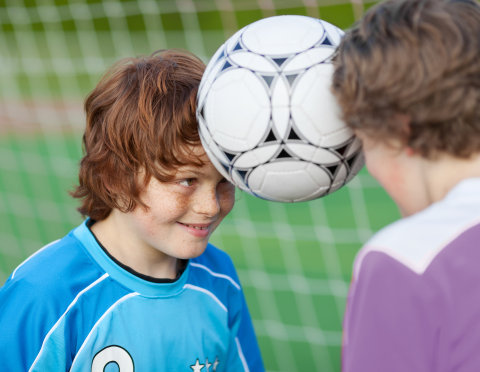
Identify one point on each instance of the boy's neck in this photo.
(120, 243)
(443, 174)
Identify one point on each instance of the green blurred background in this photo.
(294, 260)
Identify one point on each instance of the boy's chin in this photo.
(192, 251)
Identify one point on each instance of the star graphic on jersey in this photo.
(197, 367)
(207, 365)
(215, 364)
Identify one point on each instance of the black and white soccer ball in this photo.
(267, 118)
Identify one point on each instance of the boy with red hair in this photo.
(137, 284)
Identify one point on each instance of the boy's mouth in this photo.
(196, 226)
(198, 230)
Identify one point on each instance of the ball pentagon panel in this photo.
(312, 95)
(288, 34)
(237, 110)
(289, 181)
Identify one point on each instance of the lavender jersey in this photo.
(414, 303)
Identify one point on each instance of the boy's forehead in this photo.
(197, 153)
(198, 159)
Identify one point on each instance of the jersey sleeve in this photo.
(32, 304)
(25, 318)
(245, 345)
(390, 323)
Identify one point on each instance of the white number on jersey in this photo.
(113, 354)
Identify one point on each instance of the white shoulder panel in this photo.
(416, 240)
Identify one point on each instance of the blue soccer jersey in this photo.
(70, 307)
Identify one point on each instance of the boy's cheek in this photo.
(227, 198)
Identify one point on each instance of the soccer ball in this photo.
(267, 118)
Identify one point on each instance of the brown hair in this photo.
(140, 119)
(419, 59)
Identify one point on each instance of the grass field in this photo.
(294, 260)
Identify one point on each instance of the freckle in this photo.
(181, 201)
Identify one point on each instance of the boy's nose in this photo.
(207, 203)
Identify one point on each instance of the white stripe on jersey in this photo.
(104, 276)
(110, 309)
(218, 275)
(33, 255)
(242, 357)
(203, 290)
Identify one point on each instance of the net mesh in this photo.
(294, 260)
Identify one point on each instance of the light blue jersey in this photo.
(70, 307)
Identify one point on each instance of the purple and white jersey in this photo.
(414, 302)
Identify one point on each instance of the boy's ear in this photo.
(409, 151)
(404, 121)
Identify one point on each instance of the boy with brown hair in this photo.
(407, 78)
(137, 285)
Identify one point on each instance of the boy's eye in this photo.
(187, 182)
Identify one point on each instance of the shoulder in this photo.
(214, 256)
(213, 272)
(417, 241)
(217, 263)
(422, 272)
(55, 271)
(55, 261)
(48, 262)
(40, 290)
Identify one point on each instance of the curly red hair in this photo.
(140, 120)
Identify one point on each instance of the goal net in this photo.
(294, 260)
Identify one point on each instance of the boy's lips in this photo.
(200, 230)
(200, 226)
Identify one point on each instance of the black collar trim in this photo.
(181, 269)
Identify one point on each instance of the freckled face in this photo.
(183, 213)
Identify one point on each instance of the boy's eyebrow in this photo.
(189, 169)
